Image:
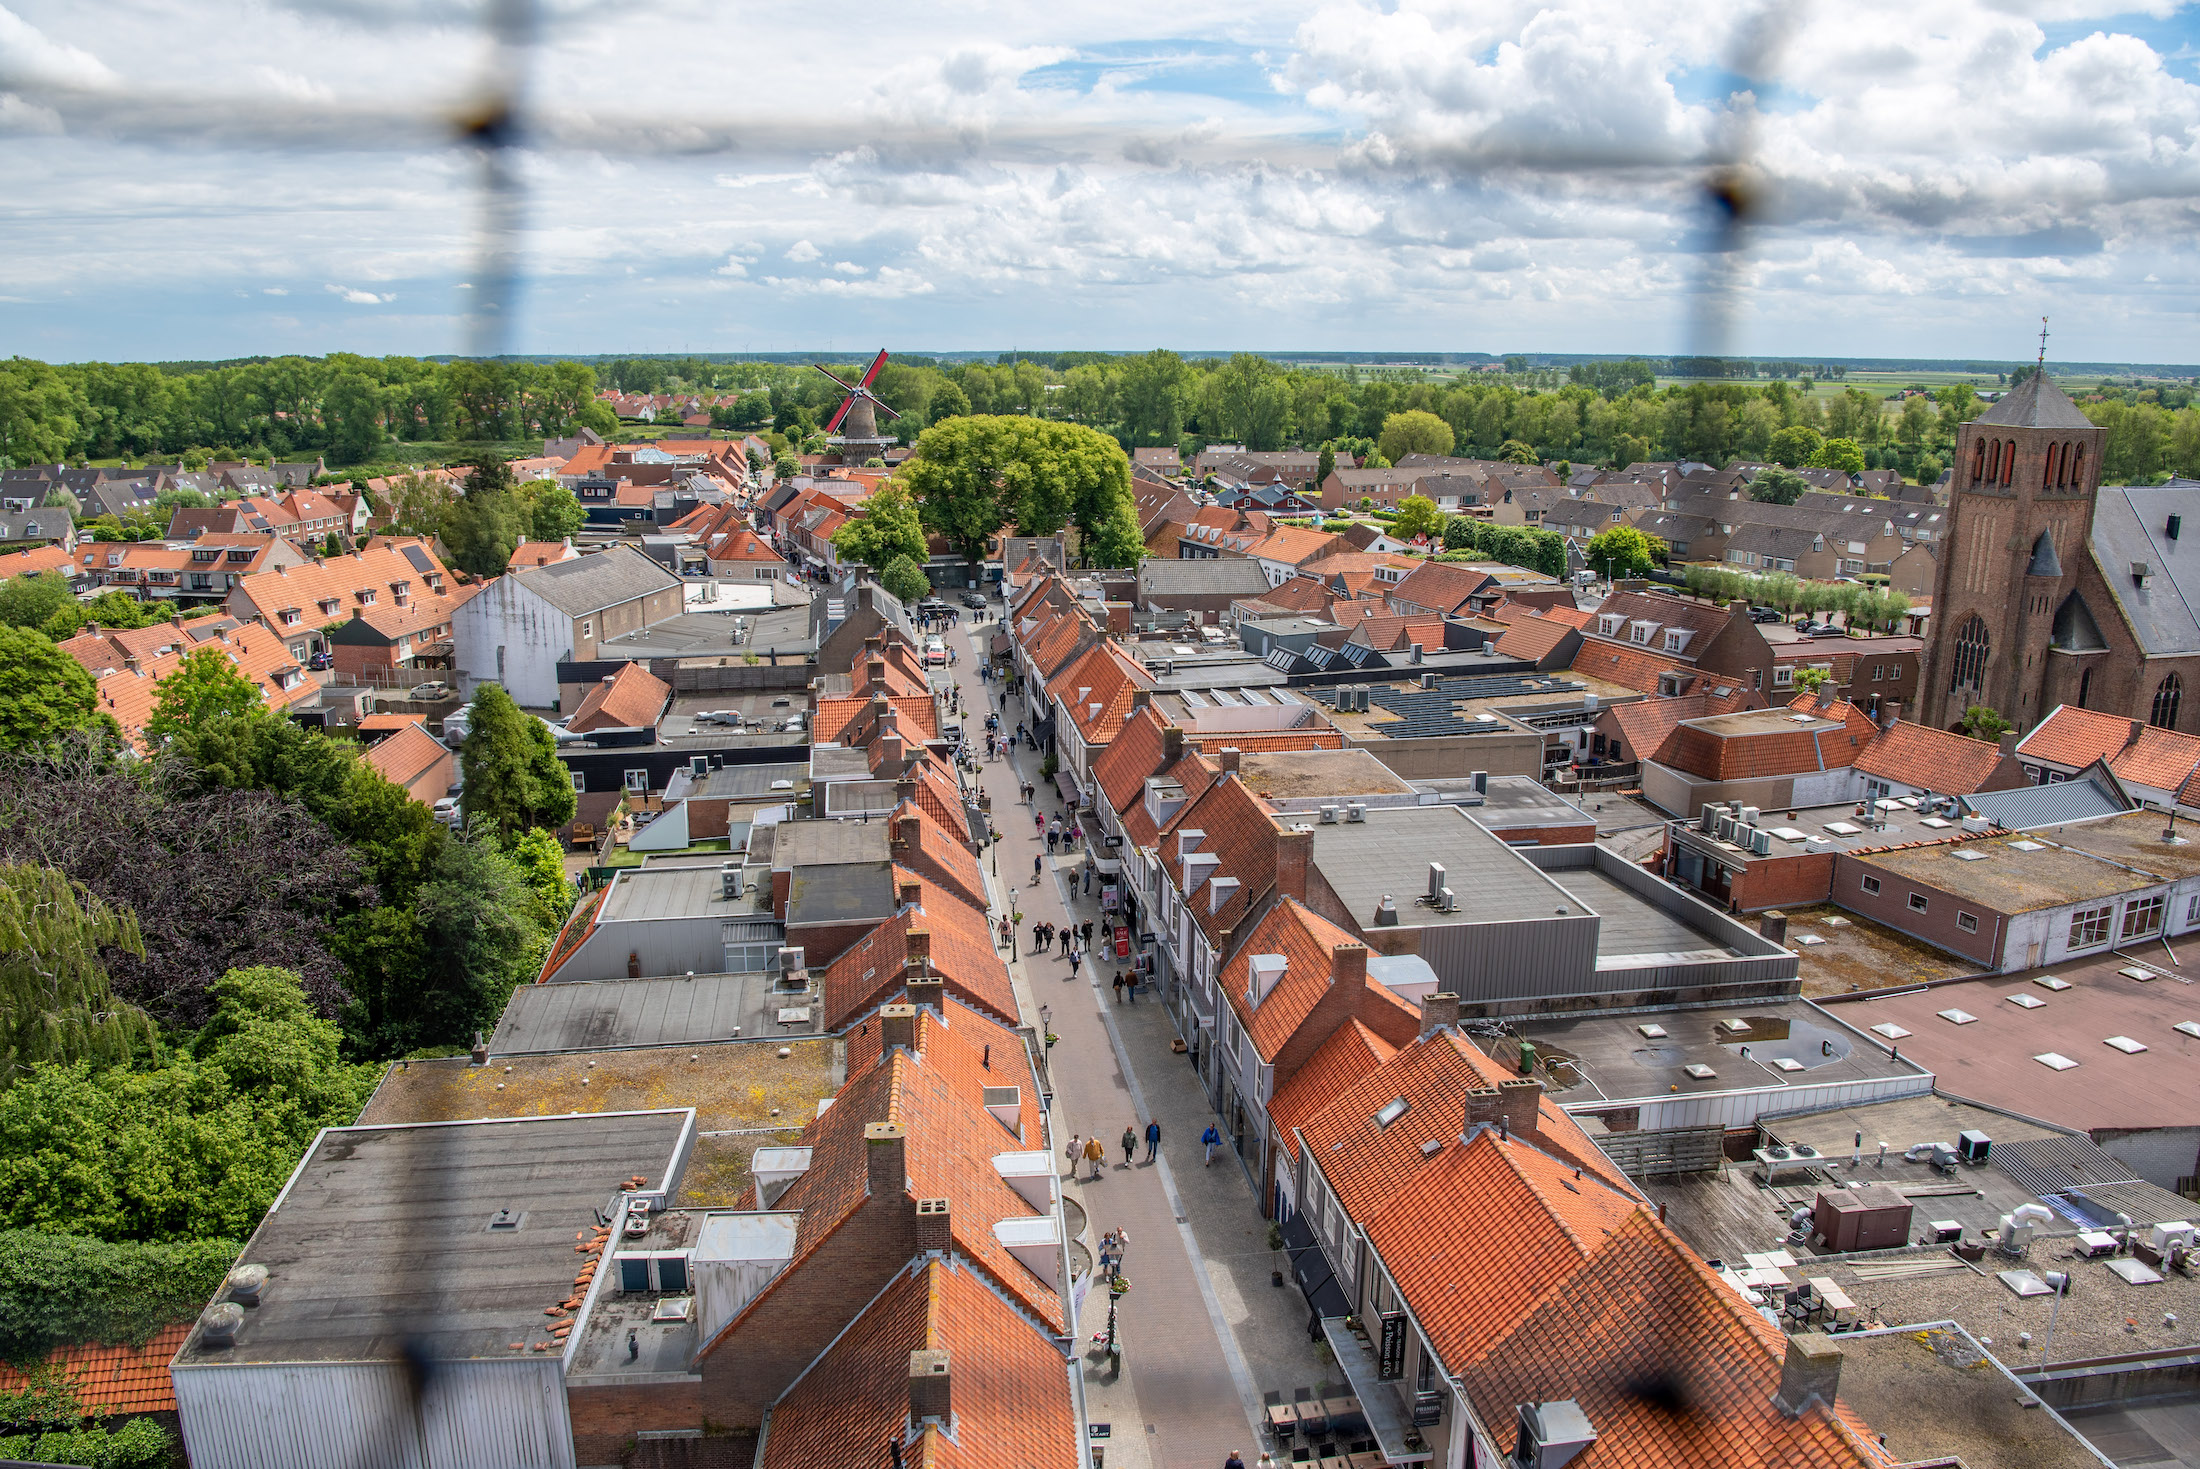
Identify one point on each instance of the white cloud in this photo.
(274, 291)
(29, 54)
(802, 252)
(358, 297)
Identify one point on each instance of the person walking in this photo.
(1212, 1138)
(1153, 1138)
(1130, 1144)
(1235, 1461)
(1118, 986)
(1075, 958)
(1036, 861)
(1086, 929)
(1095, 1155)
(1073, 1152)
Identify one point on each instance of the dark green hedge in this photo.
(61, 1289)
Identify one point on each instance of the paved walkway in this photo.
(1204, 1330)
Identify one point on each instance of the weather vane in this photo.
(2043, 342)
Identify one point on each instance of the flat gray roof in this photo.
(1629, 928)
(1389, 853)
(382, 1241)
(785, 630)
(811, 843)
(653, 891)
(840, 892)
(749, 780)
(601, 1014)
(1616, 1062)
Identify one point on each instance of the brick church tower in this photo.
(2020, 520)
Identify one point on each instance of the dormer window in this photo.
(290, 617)
(365, 596)
(329, 605)
(1608, 624)
(1641, 630)
(1676, 639)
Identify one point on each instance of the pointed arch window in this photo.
(1993, 461)
(2085, 686)
(2008, 461)
(2168, 694)
(1973, 646)
(1978, 460)
(2077, 467)
(2054, 461)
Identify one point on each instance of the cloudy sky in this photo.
(207, 178)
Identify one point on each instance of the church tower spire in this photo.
(2020, 515)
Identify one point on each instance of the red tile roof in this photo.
(1322, 737)
(1238, 828)
(42, 558)
(1097, 690)
(114, 1379)
(362, 584)
(1308, 943)
(1751, 745)
(632, 698)
(133, 697)
(407, 755)
(1936, 760)
(1440, 586)
(938, 856)
(2140, 754)
(1350, 1053)
(1630, 667)
(1535, 638)
(1009, 1397)
(962, 954)
(850, 722)
(1132, 758)
(528, 555)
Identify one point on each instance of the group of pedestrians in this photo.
(1088, 1150)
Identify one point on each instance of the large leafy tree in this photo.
(1623, 550)
(55, 1003)
(513, 777)
(553, 512)
(484, 527)
(1845, 455)
(1415, 431)
(1417, 516)
(1778, 486)
(194, 1148)
(972, 476)
(44, 693)
(1794, 446)
(889, 528)
(204, 686)
(905, 580)
(217, 879)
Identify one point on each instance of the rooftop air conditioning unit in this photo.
(1329, 815)
(1749, 815)
(1760, 841)
(1428, 680)
(1361, 702)
(729, 879)
(1435, 879)
(1488, 647)
(1447, 901)
(1551, 1434)
(1356, 811)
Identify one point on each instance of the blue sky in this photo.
(1461, 175)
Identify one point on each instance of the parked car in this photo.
(974, 600)
(1810, 629)
(431, 690)
(320, 661)
(935, 653)
(720, 716)
(1763, 614)
(446, 810)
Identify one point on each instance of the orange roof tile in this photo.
(1308, 943)
(530, 554)
(114, 1379)
(2140, 754)
(42, 558)
(361, 584)
(407, 755)
(1010, 1398)
(1097, 691)
(1534, 638)
(1350, 1053)
(1324, 737)
(938, 855)
(631, 698)
(1132, 758)
(1239, 829)
(962, 954)
(133, 697)
(850, 722)
(1937, 760)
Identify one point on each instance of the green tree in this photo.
(596, 416)
(1845, 455)
(905, 580)
(1811, 680)
(55, 1004)
(1414, 431)
(513, 777)
(1622, 550)
(1417, 516)
(420, 504)
(34, 600)
(1150, 392)
(483, 530)
(541, 862)
(182, 1150)
(45, 694)
(205, 685)
(1778, 486)
(1794, 446)
(785, 465)
(1982, 723)
(1325, 466)
(479, 929)
(973, 475)
(1512, 451)
(553, 511)
(890, 529)
(948, 401)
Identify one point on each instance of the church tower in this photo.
(2020, 518)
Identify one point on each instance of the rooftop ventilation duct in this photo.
(1551, 1434)
(1386, 913)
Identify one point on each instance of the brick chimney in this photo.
(1229, 757)
(1811, 1370)
(934, 1226)
(1140, 699)
(1172, 746)
(927, 991)
(1511, 1104)
(2009, 742)
(929, 1399)
(1438, 1011)
(920, 947)
(909, 893)
(1294, 849)
(874, 675)
(1348, 971)
(897, 1027)
(885, 1155)
(905, 789)
(907, 833)
(1890, 711)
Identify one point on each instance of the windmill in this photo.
(860, 441)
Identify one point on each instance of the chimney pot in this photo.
(934, 1226)
(910, 892)
(1348, 962)
(2009, 742)
(1229, 757)
(1439, 1011)
(1811, 1370)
